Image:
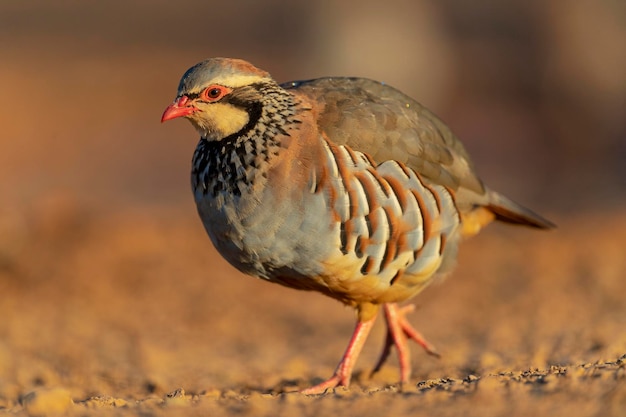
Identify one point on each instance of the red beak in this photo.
(179, 108)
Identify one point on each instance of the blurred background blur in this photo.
(535, 89)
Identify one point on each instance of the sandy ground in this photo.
(131, 312)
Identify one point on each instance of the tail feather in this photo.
(509, 211)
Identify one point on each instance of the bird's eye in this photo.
(214, 92)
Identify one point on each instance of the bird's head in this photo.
(219, 96)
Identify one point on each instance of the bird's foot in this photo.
(398, 331)
(343, 373)
(333, 382)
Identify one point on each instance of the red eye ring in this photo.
(214, 92)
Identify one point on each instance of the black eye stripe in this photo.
(241, 102)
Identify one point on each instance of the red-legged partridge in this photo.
(344, 186)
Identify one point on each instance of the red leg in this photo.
(410, 331)
(398, 330)
(395, 336)
(343, 373)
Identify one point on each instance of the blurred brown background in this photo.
(535, 89)
(109, 286)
